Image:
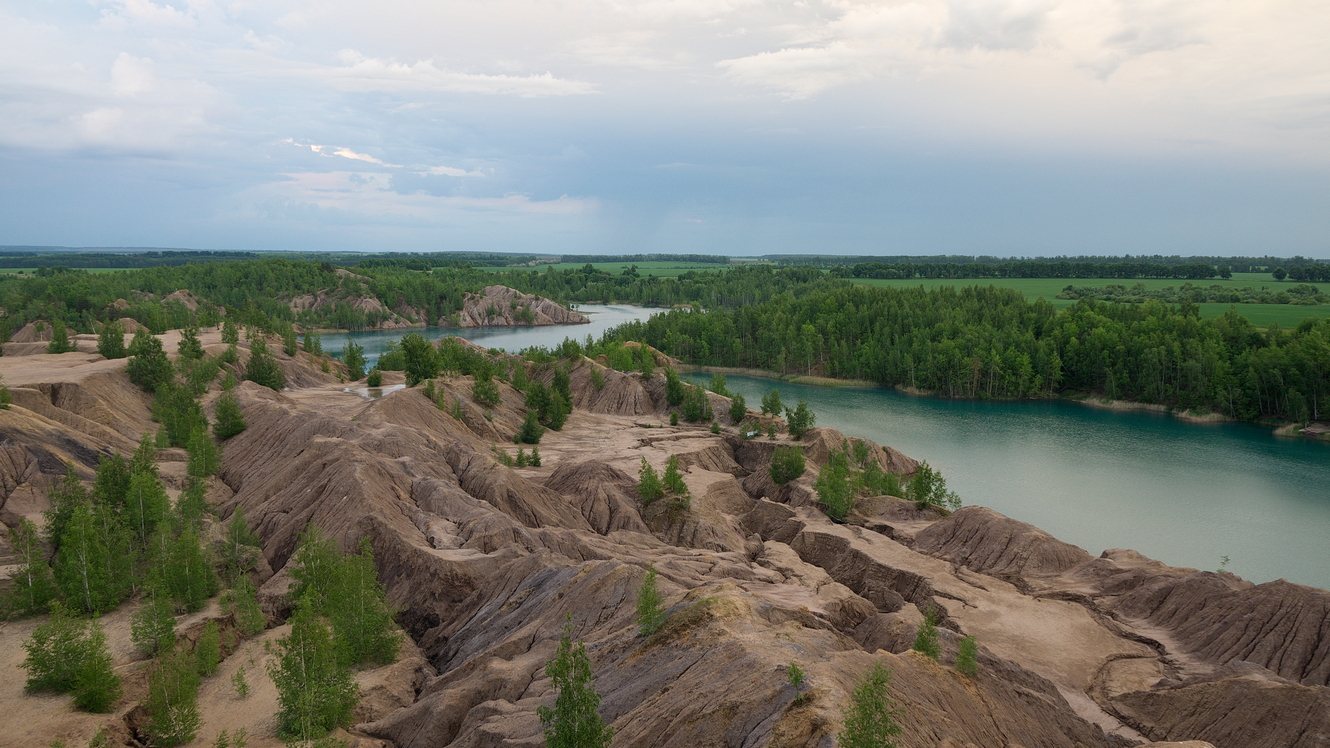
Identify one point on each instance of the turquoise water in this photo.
(511, 339)
(1183, 493)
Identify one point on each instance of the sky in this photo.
(1006, 127)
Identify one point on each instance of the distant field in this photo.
(30, 271)
(658, 268)
(1262, 315)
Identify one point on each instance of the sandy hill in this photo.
(486, 563)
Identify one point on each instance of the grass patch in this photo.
(1261, 315)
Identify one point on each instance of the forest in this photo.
(981, 342)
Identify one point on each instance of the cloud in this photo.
(450, 171)
(358, 72)
(374, 195)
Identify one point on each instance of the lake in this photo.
(1183, 493)
(511, 339)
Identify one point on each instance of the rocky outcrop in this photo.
(37, 331)
(501, 306)
(981, 539)
(1232, 711)
(379, 315)
(606, 496)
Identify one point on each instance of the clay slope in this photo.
(501, 306)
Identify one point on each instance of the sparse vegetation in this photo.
(787, 463)
(967, 657)
(871, 719)
(925, 639)
(650, 613)
(574, 720)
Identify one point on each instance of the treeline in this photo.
(982, 342)
(1055, 268)
(1190, 294)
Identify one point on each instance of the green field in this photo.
(1262, 315)
(30, 271)
(656, 268)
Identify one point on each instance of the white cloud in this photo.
(361, 73)
(451, 171)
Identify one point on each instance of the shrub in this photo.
(66, 655)
(796, 676)
(718, 384)
(358, 608)
(925, 640)
(148, 366)
(353, 356)
(771, 405)
(173, 700)
(6, 397)
(673, 478)
(242, 602)
(929, 488)
(111, 340)
(484, 391)
(262, 368)
(230, 333)
(229, 420)
(315, 691)
(204, 459)
(374, 378)
(967, 657)
(650, 613)
(834, 491)
(649, 487)
(573, 721)
(208, 649)
(420, 359)
(696, 406)
(738, 409)
(871, 721)
(59, 339)
(674, 388)
(535, 456)
(189, 347)
(313, 343)
(290, 345)
(33, 585)
(787, 463)
(531, 430)
(800, 420)
(152, 628)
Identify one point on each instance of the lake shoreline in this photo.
(1319, 432)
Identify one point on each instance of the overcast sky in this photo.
(1019, 127)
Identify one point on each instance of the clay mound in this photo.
(1278, 625)
(619, 394)
(981, 539)
(131, 326)
(822, 442)
(360, 302)
(183, 297)
(1234, 712)
(606, 496)
(37, 331)
(496, 306)
(715, 457)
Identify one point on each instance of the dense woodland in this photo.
(977, 342)
(983, 342)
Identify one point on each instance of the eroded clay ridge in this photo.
(487, 562)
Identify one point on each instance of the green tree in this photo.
(204, 459)
(290, 344)
(696, 406)
(800, 420)
(148, 366)
(64, 497)
(925, 640)
(317, 566)
(152, 628)
(834, 490)
(967, 657)
(173, 699)
(787, 463)
(111, 484)
(33, 585)
(230, 333)
(189, 576)
(574, 720)
(650, 611)
(535, 456)
(771, 405)
(738, 409)
(649, 487)
(353, 356)
(242, 602)
(871, 721)
(315, 690)
(484, 391)
(262, 368)
(313, 343)
(241, 548)
(421, 359)
(718, 385)
(208, 649)
(228, 420)
(6, 397)
(189, 347)
(96, 686)
(90, 568)
(358, 608)
(66, 655)
(674, 388)
(929, 488)
(111, 340)
(1280, 274)
(60, 342)
(531, 430)
(673, 477)
(146, 505)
